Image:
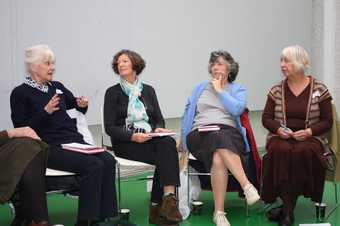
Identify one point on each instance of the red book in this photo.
(83, 148)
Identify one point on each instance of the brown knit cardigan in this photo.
(318, 93)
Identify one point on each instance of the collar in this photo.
(43, 88)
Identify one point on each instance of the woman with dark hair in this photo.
(131, 112)
(23, 159)
(298, 116)
(41, 103)
(217, 105)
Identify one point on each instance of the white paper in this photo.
(161, 134)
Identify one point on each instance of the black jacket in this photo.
(115, 111)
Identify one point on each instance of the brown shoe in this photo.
(169, 209)
(153, 214)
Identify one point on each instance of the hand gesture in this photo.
(140, 137)
(283, 133)
(219, 79)
(22, 132)
(302, 135)
(82, 101)
(52, 105)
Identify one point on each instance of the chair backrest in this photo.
(82, 125)
(105, 139)
(334, 144)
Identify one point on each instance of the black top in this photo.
(27, 106)
(115, 111)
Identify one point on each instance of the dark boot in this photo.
(169, 209)
(42, 223)
(274, 214)
(84, 223)
(18, 221)
(287, 219)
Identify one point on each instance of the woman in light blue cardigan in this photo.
(219, 103)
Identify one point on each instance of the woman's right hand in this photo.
(284, 134)
(22, 132)
(140, 137)
(52, 105)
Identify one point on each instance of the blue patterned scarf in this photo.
(136, 113)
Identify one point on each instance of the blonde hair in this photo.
(37, 54)
(298, 56)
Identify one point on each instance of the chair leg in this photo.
(119, 204)
(12, 209)
(188, 190)
(247, 208)
(336, 202)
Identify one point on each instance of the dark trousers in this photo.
(97, 197)
(31, 203)
(160, 152)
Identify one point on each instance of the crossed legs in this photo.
(224, 160)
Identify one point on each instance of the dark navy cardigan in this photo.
(27, 106)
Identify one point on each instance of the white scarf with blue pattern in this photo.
(136, 112)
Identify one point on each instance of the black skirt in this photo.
(202, 145)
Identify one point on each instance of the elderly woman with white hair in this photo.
(41, 104)
(298, 114)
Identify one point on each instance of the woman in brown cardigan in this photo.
(298, 114)
(22, 166)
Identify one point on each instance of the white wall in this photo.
(175, 38)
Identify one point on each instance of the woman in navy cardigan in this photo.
(41, 104)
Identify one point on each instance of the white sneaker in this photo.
(252, 196)
(220, 219)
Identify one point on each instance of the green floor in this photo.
(62, 210)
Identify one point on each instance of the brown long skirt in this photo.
(297, 163)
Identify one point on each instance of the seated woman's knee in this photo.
(217, 160)
(167, 141)
(282, 148)
(27, 142)
(95, 164)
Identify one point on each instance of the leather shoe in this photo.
(169, 209)
(157, 219)
(274, 214)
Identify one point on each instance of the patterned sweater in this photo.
(318, 93)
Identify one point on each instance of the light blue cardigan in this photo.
(233, 100)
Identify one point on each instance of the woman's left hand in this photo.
(82, 102)
(303, 134)
(162, 130)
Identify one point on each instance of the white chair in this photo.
(125, 167)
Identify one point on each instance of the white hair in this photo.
(298, 56)
(37, 54)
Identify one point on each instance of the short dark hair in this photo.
(233, 66)
(138, 63)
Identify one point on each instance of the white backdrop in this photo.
(174, 37)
